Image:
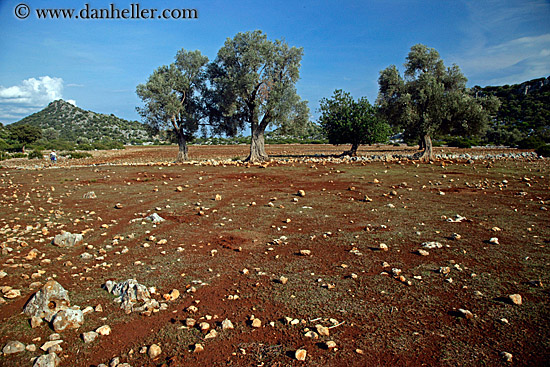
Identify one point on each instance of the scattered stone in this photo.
(47, 345)
(67, 239)
(432, 245)
(218, 197)
(465, 313)
(198, 348)
(47, 360)
(330, 344)
(189, 322)
(89, 336)
(305, 252)
(423, 252)
(211, 334)
(13, 346)
(119, 206)
(103, 330)
(48, 301)
(12, 293)
(86, 256)
(172, 296)
(90, 195)
(227, 324)
(506, 357)
(301, 354)
(494, 241)
(154, 351)
(301, 193)
(179, 189)
(322, 330)
(383, 247)
(204, 326)
(31, 348)
(283, 280)
(456, 236)
(515, 299)
(367, 199)
(311, 334)
(68, 319)
(155, 218)
(256, 323)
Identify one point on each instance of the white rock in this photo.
(89, 336)
(103, 330)
(227, 324)
(154, 351)
(13, 346)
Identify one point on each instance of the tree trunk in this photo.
(257, 147)
(182, 146)
(428, 154)
(421, 145)
(353, 151)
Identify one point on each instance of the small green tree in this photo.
(173, 96)
(347, 121)
(431, 99)
(253, 82)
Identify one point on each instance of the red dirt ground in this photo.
(378, 319)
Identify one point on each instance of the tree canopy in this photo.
(253, 83)
(347, 121)
(431, 98)
(173, 96)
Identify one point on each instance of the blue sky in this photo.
(97, 64)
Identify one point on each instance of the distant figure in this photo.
(53, 157)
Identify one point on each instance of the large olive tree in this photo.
(173, 97)
(253, 83)
(431, 99)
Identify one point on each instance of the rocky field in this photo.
(127, 259)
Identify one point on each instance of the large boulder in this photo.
(68, 319)
(129, 293)
(48, 301)
(67, 239)
(47, 360)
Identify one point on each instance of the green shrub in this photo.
(18, 155)
(35, 154)
(543, 150)
(531, 142)
(461, 142)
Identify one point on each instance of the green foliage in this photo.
(543, 150)
(253, 83)
(524, 111)
(431, 99)
(35, 154)
(346, 121)
(173, 96)
(531, 142)
(24, 133)
(462, 142)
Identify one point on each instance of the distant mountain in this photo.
(524, 110)
(65, 121)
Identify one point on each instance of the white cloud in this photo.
(28, 97)
(505, 42)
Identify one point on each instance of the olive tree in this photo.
(253, 84)
(346, 121)
(431, 99)
(173, 96)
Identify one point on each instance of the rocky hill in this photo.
(524, 110)
(65, 121)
